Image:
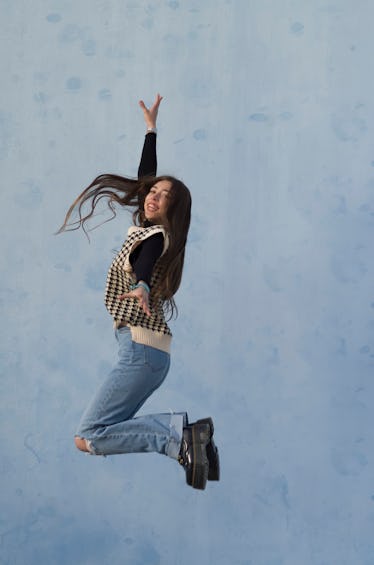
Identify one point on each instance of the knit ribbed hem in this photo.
(158, 340)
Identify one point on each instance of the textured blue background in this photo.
(268, 117)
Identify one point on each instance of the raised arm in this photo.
(148, 161)
(146, 254)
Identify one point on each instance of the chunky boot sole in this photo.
(197, 471)
(212, 452)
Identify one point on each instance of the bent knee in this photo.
(81, 444)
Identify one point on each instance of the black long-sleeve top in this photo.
(148, 160)
(144, 257)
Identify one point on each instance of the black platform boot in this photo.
(212, 452)
(193, 454)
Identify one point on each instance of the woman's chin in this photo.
(154, 219)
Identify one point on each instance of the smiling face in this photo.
(157, 201)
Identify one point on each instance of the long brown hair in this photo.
(131, 193)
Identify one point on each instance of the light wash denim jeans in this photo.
(108, 424)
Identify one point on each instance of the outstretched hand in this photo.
(141, 295)
(150, 114)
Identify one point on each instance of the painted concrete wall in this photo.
(268, 117)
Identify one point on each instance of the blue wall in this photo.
(268, 117)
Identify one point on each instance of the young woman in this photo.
(141, 283)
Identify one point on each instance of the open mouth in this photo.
(151, 208)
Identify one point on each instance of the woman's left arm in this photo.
(144, 259)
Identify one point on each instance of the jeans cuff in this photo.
(177, 422)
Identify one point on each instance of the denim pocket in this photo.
(123, 330)
(156, 359)
(138, 356)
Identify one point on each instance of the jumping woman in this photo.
(141, 283)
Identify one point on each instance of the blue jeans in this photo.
(108, 424)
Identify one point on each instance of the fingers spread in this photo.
(143, 303)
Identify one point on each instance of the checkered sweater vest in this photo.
(152, 330)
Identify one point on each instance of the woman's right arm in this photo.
(148, 161)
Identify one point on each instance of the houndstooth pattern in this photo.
(120, 278)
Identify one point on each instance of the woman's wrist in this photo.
(151, 129)
(141, 284)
